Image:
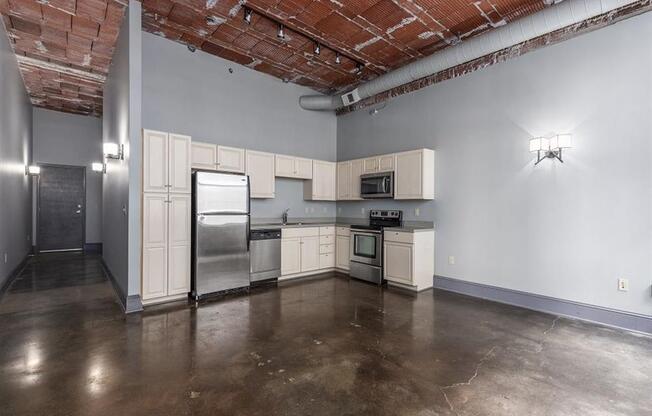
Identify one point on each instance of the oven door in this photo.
(377, 185)
(366, 247)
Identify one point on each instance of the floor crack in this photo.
(545, 333)
(469, 381)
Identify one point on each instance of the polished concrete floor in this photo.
(326, 346)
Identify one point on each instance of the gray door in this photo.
(61, 200)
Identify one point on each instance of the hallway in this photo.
(326, 346)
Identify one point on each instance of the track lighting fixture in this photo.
(317, 48)
(281, 31)
(248, 14)
(338, 58)
(191, 48)
(358, 68)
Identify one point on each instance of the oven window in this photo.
(364, 246)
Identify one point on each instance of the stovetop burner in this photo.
(379, 219)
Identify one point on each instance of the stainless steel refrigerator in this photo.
(220, 233)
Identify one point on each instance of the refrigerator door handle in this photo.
(249, 234)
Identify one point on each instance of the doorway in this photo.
(61, 208)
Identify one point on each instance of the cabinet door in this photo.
(356, 170)
(371, 165)
(327, 261)
(290, 256)
(155, 248)
(386, 163)
(324, 181)
(303, 168)
(204, 155)
(343, 181)
(260, 168)
(230, 159)
(342, 251)
(398, 262)
(409, 175)
(285, 166)
(309, 254)
(155, 161)
(179, 244)
(180, 163)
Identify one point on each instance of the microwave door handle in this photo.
(386, 184)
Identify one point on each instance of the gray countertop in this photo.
(264, 223)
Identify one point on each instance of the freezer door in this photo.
(219, 193)
(222, 253)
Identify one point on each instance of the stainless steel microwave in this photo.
(377, 185)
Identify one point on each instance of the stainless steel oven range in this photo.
(367, 245)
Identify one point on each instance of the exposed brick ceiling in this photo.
(64, 49)
(381, 34)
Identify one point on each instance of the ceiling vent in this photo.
(351, 97)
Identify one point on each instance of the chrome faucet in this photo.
(285, 216)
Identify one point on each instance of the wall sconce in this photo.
(98, 167)
(550, 147)
(32, 170)
(113, 151)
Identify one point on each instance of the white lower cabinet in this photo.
(166, 246)
(342, 256)
(408, 259)
(309, 254)
(306, 250)
(290, 256)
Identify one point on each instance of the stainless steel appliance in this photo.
(265, 255)
(367, 245)
(220, 233)
(377, 185)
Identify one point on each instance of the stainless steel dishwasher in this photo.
(265, 255)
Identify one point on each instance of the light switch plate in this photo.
(417, 212)
(451, 260)
(623, 285)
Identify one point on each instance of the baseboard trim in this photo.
(582, 311)
(129, 304)
(93, 248)
(13, 275)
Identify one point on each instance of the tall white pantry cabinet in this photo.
(166, 216)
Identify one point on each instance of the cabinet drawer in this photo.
(343, 231)
(327, 230)
(300, 232)
(326, 261)
(327, 239)
(399, 237)
(326, 248)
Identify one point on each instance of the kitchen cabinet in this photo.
(290, 256)
(370, 165)
(326, 247)
(323, 186)
(344, 182)
(342, 248)
(415, 175)
(408, 259)
(260, 168)
(230, 159)
(299, 250)
(384, 163)
(293, 167)
(204, 156)
(356, 171)
(309, 254)
(166, 246)
(166, 162)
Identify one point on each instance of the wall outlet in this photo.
(5, 258)
(623, 285)
(451, 260)
(339, 210)
(417, 212)
(362, 211)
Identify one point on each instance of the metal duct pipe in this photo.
(552, 18)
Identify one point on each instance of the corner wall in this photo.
(15, 154)
(121, 183)
(195, 94)
(567, 231)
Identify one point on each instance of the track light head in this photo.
(191, 48)
(338, 58)
(281, 31)
(248, 14)
(317, 48)
(358, 68)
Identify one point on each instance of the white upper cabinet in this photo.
(344, 182)
(155, 161)
(260, 168)
(323, 186)
(386, 163)
(293, 167)
(370, 165)
(230, 159)
(356, 171)
(204, 155)
(180, 164)
(415, 175)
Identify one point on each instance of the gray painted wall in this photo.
(566, 231)
(15, 154)
(75, 140)
(194, 94)
(121, 124)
